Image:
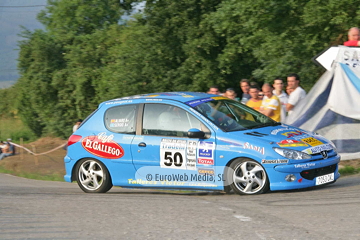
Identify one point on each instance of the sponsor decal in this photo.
(152, 99)
(205, 161)
(207, 171)
(292, 143)
(191, 155)
(206, 153)
(304, 165)
(256, 148)
(219, 98)
(272, 161)
(293, 133)
(276, 131)
(152, 96)
(312, 141)
(119, 102)
(231, 143)
(103, 146)
(122, 122)
(194, 103)
(178, 154)
(318, 149)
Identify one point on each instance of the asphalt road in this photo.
(32, 209)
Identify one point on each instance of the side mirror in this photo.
(195, 133)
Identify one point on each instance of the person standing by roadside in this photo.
(278, 86)
(77, 125)
(245, 87)
(270, 105)
(214, 90)
(353, 37)
(8, 150)
(230, 93)
(255, 101)
(293, 81)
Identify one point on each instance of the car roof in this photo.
(177, 96)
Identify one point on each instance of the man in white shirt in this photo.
(293, 81)
(283, 97)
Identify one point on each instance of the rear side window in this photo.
(121, 119)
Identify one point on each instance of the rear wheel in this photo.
(247, 177)
(92, 176)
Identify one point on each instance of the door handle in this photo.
(142, 144)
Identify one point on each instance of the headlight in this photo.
(292, 154)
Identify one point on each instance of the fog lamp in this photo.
(290, 178)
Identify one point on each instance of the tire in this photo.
(247, 177)
(92, 176)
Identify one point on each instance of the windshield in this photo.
(230, 115)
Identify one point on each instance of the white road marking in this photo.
(242, 218)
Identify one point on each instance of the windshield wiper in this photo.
(265, 125)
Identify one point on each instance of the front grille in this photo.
(313, 173)
(318, 156)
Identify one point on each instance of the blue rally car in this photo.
(187, 140)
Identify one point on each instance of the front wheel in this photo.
(247, 177)
(92, 176)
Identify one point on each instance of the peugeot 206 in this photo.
(188, 140)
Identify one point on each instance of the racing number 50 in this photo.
(177, 160)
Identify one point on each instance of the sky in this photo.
(13, 14)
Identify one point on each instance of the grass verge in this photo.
(36, 176)
(349, 170)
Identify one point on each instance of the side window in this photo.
(167, 120)
(121, 119)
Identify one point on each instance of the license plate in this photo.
(325, 179)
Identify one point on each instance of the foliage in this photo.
(348, 170)
(89, 54)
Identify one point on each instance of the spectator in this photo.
(261, 95)
(77, 124)
(270, 105)
(2, 145)
(8, 150)
(293, 81)
(230, 93)
(245, 87)
(283, 97)
(214, 90)
(288, 91)
(353, 37)
(255, 101)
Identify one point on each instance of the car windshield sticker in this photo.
(194, 103)
(292, 143)
(206, 153)
(123, 122)
(178, 154)
(312, 141)
(103, 146)
(317, 149)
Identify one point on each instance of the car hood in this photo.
(283, 136)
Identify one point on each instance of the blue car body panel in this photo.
(130, 164)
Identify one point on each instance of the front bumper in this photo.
(305, 173)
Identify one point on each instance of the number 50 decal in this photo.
(176, 160)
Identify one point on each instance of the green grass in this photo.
(349, 170)
(15, 129)
(52, 177)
